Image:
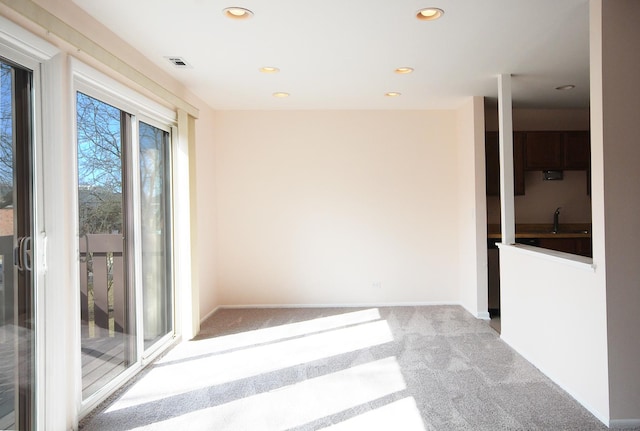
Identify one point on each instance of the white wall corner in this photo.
(480, 210)
(209, 314)
(473, 290)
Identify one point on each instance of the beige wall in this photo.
(316, 207)
(617, 114)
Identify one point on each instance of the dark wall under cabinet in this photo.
(579, 246)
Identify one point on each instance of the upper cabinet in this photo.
(557, 151)
(577, 151)
(492, 157)
(536, 151)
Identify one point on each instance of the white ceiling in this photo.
(341, 54)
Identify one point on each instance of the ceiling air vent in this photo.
(179, 62)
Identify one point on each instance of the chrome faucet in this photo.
(556, 215)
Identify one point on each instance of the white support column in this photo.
(505, 121)
(60, 383)
(187, 293)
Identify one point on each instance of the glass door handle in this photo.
(22, 254)
(26, 253)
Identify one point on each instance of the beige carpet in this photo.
(388, 368)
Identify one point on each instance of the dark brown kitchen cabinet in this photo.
(557, 150)
(518, 163)
(577, 151)
(544, 151)
(492, 169)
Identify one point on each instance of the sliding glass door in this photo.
(108, 342)
(155, 208)
(17, 310)
(125, 238)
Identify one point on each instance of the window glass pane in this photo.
(156, 245)
(108, 336)
(17, 318)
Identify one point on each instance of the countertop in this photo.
(569, 230)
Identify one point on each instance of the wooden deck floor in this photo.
(9, 336)
(104, 356)
(8, 421)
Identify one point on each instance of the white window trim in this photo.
(123, 97)
(25, 42)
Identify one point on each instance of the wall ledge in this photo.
(574, 260)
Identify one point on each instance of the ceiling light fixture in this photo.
(280, 95)
(392, 94)
(429, 14)
(269, 69)
(237, 13)
(566, 87)
(404, 70)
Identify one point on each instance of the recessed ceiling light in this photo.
(404, 70)
(237, 13)
(269, 69)
(281, 94)
(429, 14)
(566, 87)
(392, 94)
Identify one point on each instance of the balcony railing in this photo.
(106, 341)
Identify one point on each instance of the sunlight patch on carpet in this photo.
(301, 403)
(271, 334)
(211, 370)
(399, 415)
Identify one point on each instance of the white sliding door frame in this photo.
(24, 48)
(95, 84)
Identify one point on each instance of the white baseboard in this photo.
(349, 305)
(484, 315)
(624, 423)
(209, 314)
